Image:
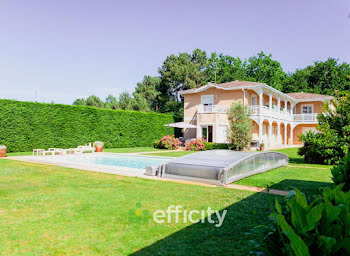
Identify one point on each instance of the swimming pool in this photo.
(103, 160)
(138, 162)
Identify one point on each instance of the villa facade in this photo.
(278, 118)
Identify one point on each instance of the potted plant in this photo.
(262, 146)
(98, 146)
(2, 150)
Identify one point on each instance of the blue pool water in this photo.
(139, 162)
(130, 161)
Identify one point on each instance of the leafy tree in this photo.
(94, 101)
(298, 81)
(262, 68)
(147, 89)
(321, 77)
(140, 103)
(226, 68)
(111, 102)
(80, 102)
(328, 76)
(181, 72)
(126, 101)
(333, 142)
(240, 127)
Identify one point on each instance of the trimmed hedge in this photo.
(28, 125)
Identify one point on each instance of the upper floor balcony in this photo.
(264, 111)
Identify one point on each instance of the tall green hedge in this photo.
(28, 125)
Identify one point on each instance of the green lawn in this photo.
(47, 210)
(19, 154)
(171, 153)
(55, 210)
(308, 180)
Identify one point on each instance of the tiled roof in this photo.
(233, 84)
(307, 95)
(238, 83)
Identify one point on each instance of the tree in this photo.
(140, 103)
(298, 81)
(147, 89)
(328, 76)
(111, 102)
(94, 101)
(125, 101)
(332, 142)
(225, 68)
(321, 77)
(80, 102)
(181, 72)
(240, 127)
(262, 68)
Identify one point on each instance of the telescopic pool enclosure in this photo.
(218, 166)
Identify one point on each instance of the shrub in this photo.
(318, 228)
(240, 128)
(28, 125)
(196, 145)
(320, 148)
(211, 146)
(341, 173)
(167, 142)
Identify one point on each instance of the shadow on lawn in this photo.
(231, 237)
(310, 188)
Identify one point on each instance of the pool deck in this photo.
(127, 171)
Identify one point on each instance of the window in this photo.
(307, 109)
(207, 100)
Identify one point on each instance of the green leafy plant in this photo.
(240, 126)
(332, 142)
(28, 125)
(321, 227)
(341, 173)
(212, 145)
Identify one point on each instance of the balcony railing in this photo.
(265, 112)
(205, 109)
(305, 117)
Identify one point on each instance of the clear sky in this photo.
(65, 49)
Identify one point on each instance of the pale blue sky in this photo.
(63, 50)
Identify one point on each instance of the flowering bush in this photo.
(196, 145)
(168, 142)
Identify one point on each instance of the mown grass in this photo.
(47, 210)
(171, 153)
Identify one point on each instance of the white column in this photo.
(260, 117)
(278, 103)
(260, 100)
(270, 133)
(279, 138)
(291, 135)
(285, 134)
(270, 102)
(260, 130)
